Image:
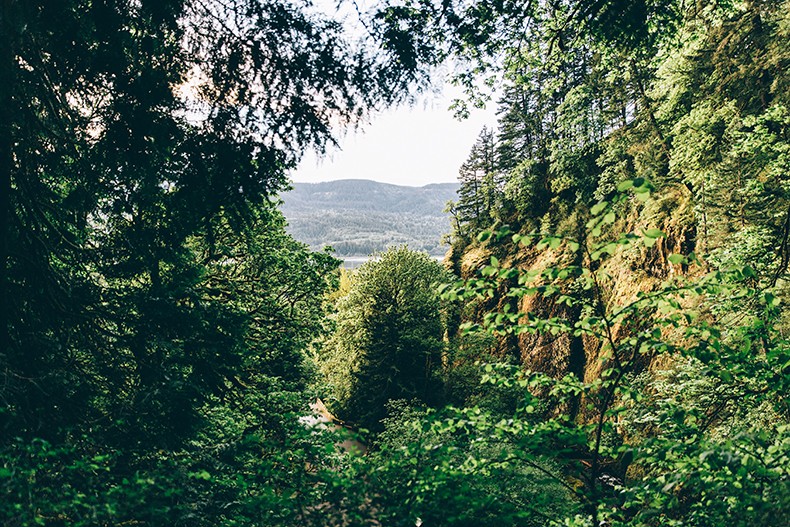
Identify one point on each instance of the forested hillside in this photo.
(606, 343)
(357, 217)
(616, 350)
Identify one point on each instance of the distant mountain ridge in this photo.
(358, 216)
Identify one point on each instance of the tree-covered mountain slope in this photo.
(623, 239)
(699, 109)
(357, 217)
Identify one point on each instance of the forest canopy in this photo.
(155, 315)
(611, 350)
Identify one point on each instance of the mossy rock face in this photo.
(630, 271)
(472, 259)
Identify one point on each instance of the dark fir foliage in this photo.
(119, 162)
(155, 314)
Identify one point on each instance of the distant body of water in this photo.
(352, 262)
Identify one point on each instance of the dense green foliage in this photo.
(685, 418)
(642, 331)
(388, 343)
(697, 104)
(155, 315)
(652, 349)
(616, 353)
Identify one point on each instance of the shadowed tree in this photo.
(153, 307)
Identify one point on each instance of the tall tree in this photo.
(479, 191)
(389, 339)
(155, 313)
(129, 128)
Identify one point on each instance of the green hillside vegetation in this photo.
(605, 343)
(359, 217)
(388, 342)
(621, 353)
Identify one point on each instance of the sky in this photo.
(411, 146)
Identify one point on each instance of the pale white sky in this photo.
(406, 146)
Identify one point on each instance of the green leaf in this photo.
(598, 208)
(654, 233)
(483, 236)
(675, 258)
(771, 300)
(625, 185)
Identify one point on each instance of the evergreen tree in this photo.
(480, 187)
(155, 314)
(388, 343)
